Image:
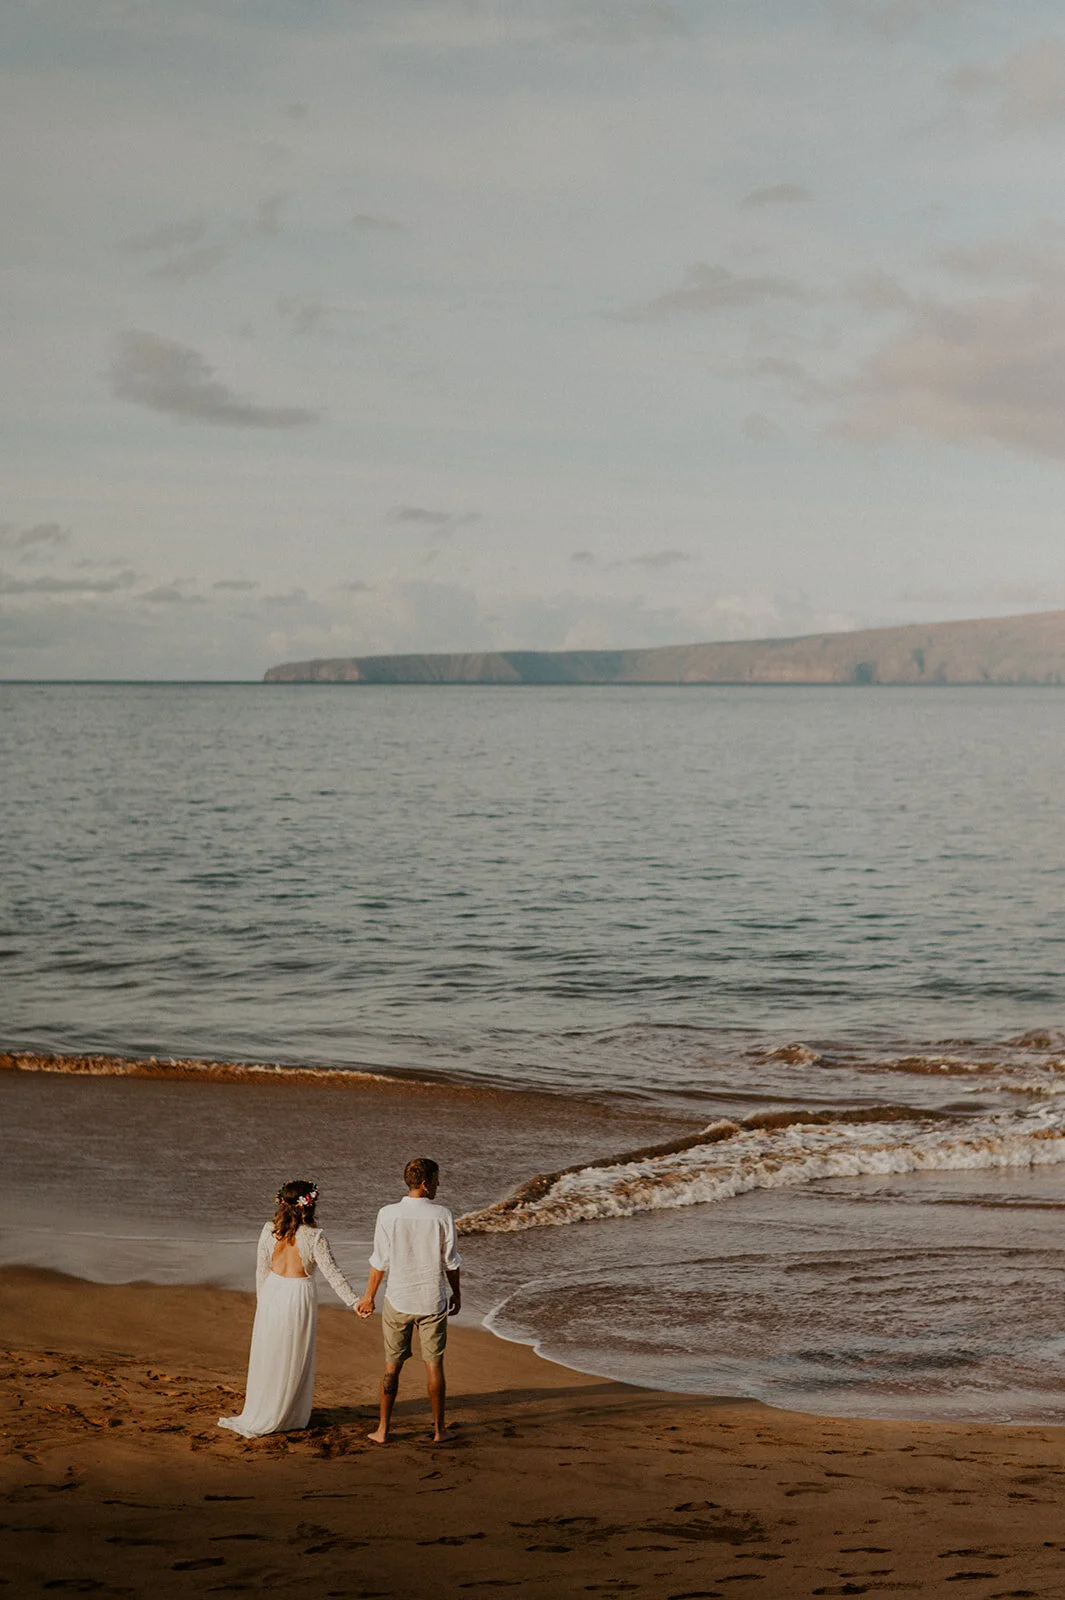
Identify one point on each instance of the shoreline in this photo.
(117, 1480)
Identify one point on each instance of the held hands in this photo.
(365, 1307)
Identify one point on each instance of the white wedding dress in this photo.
(280, 1388)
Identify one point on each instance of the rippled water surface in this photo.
(786, 964)
(537, 884)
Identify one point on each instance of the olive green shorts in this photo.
(400, 1325)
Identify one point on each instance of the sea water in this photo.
(734, 1012)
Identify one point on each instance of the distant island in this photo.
(1002, 650)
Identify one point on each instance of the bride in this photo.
(280, 1385)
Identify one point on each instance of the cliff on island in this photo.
(1004, 650)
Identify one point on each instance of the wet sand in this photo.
(117, 1481)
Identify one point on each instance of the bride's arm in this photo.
(262, 1256)
(323, 1257)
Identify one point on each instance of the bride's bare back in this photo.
(286, 1261)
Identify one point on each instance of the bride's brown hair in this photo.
(296, 1203)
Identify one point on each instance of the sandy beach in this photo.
(116, 1480)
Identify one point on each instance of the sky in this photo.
(340, 327)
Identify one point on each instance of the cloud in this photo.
(707, 288)
(777, 194)
(236, 584)
(926, 597)
(582, 558)
(267, 223)
(169, 594)
(367, 222)
(433, 519)
(167, 236)
(657, 559)
(892, 19)
(797, 379)
(1032, 260)
(623, 22)
(880, 291)
(759, 427)
(42, 533)
(1026, 91)
(440, 521)
(987, 368)
(50, 585)
(171, 378)
(293, 597)
(190, 264)
(1007, 593)
(305, 315)
(356, 586)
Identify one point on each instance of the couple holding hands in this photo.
(415, 1247)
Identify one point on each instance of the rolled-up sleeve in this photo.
(452, 1259)
(381, 1247)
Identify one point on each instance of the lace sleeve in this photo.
(262, 1256)
(323, 1257)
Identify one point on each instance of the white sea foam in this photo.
(736, 1161)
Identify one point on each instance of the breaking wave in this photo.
(773, 1151)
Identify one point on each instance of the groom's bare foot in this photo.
(379, 1436)
(443, 1436)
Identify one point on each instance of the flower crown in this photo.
(304, 1201)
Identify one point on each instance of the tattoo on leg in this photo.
(390, 1382)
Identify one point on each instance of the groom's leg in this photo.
(434, 1380)
(432, 1337)
(397, 1329)
(389, 1390)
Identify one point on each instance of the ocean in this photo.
(733, 1014)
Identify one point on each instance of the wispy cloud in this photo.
(237, 585)
(1026, 90)
(422, 514)
(987, 368)
(52, 585)
(1007, 593)
(760, 427)
(40, 534)
(177, 381)
(893, 19)
(657, 559)
(777, 194)
(623, 22)
(267, 221)
(167, 236)
(171, 594)
(708, 289)
(309, 314)
(440, 521)
(368, 222)
(190, 264)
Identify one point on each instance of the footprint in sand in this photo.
(453, 1538)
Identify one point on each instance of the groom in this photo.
(415, 1245)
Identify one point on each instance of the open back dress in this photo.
(280, 1389)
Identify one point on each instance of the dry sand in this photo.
(116, 1480)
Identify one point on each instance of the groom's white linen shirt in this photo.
(415, 1243)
